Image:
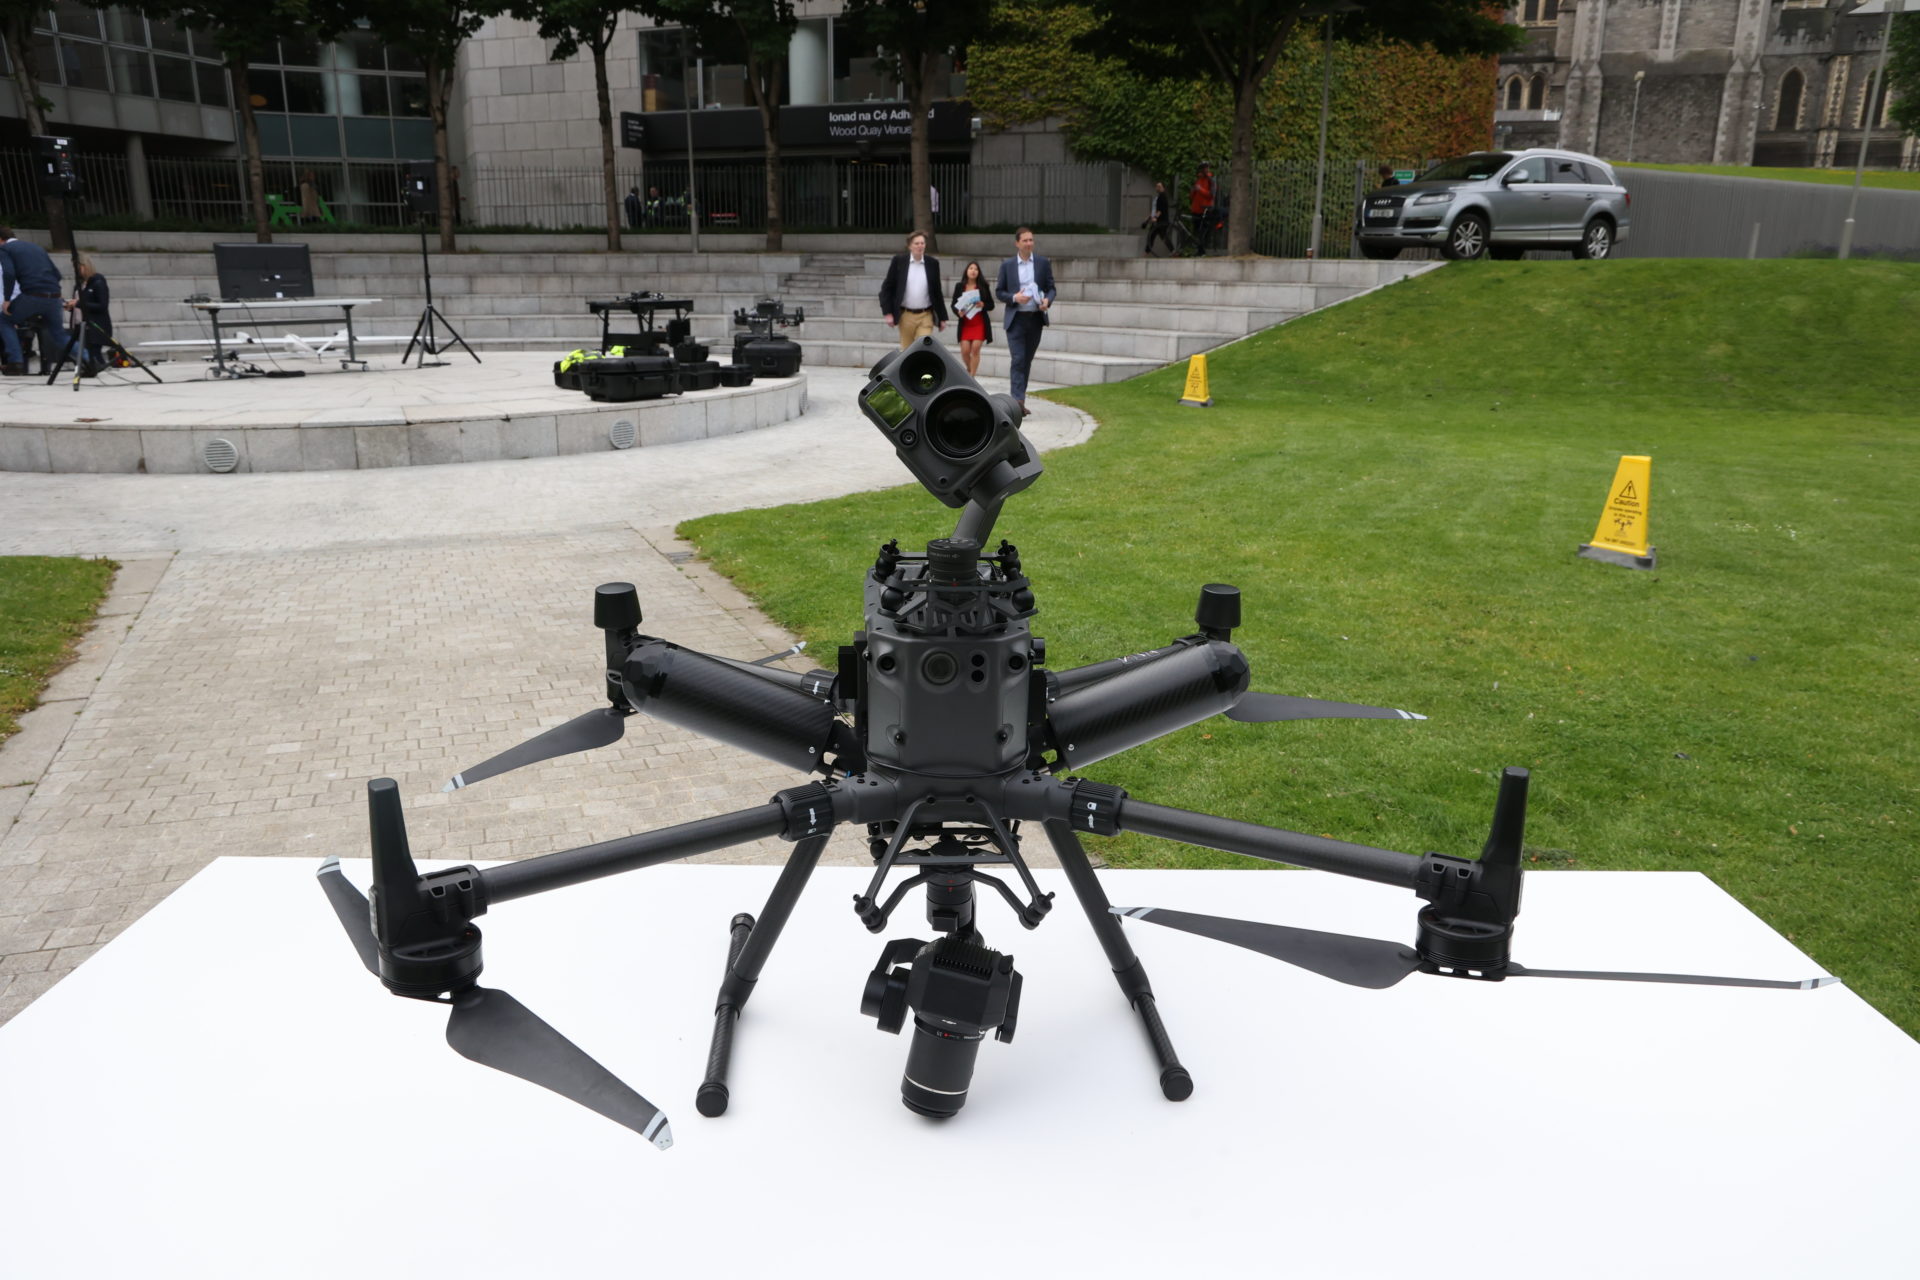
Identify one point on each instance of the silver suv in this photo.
(1499, 203)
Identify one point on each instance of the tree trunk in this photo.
(19, 44)
(438, 85)
(1241, 213)
(608, 180)
(250, 137)
(766, 95)
(920, 102)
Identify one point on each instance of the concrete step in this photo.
(1156, 346)
(1064, 368)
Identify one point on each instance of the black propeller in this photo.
(1261, 708)
(598, 728)
(417, 934)
(1376, 964)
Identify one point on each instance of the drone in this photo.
(941, 731)
(766, 314)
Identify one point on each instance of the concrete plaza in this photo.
(275, 640)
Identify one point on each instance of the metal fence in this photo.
(1698, 215)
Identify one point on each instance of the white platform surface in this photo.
(224, 1092)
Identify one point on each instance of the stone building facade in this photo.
(1763, 82)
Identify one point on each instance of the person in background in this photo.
(910, 296)
(1200, 202)
(30, 283)
(633, 208)
(972, 305)
(1026, 286)
(309, 196)
(96, 325)
(1386, 176)
(1159, 220)
(652, 209)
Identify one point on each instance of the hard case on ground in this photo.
(628, 378)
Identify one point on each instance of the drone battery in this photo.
(717, 700)
(704, 376)
(735, 375)
(689, 352)
(627, 378)
(1147, 702)
(770, 357)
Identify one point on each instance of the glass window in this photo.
(854, 76)
(1515, 94)
(1533, 169)
(1468, 168)
(1791, 89)
(1537, 93)
(131, 72)
(165, 35)
(359, 51)
(77, 19)
(399, 59)
(173, 77)
(374, 99)
(408, 96)
(306, 92)
(46, 60)
(126, 28)
(662, 87)
(369, 139)
(267, 91)
(1569, 171)
(300, 51)
(724, 85)
(83, 66)
(214, 84)
(308, 136)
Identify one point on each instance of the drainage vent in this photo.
(220, 455)
(623, 433)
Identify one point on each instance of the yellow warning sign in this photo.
(1196, 395)
(1621, 537)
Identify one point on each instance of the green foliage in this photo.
(1398, 485)
(46, 605)
(1903, 71)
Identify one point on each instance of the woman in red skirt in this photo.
(972, 300)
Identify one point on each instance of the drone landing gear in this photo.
(749, 944)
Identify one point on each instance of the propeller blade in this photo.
(1359, 962)
(351, 906)
(787, 652)
(495, 1030)
(598, 728)
(1693, 979)
(1262, 708)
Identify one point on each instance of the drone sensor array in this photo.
(942, 733)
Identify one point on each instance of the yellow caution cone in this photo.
(1196, 395)
(1622, 535)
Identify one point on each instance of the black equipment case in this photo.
(704, 376)
(628, 378)
(735, 375)
(769, 357)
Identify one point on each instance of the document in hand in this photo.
(968, 304)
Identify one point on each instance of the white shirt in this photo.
(915, 297)
(1025, 270)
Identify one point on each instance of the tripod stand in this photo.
(75, 349)
(423, 332)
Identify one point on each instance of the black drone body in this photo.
(941, 731)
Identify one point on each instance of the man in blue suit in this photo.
(29, 292)
(1026, 288)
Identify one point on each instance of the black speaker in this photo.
(418, 190)
(53, 165)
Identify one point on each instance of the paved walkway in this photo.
(275, 640)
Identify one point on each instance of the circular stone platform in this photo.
(335, 420)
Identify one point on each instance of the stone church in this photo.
(1762, 82)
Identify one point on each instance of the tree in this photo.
(569, 25)
(911, 35)
(1236, 44)
(239, 29)
(1903, 71)
(16, 34)
(754, 33)
(433, 31)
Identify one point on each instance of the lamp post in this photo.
(1633, 121)
(1876, 89)
(1326, 96)
(686, 112)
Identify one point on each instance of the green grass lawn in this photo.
(1890, 179)
(45, 607)
(1397, 485)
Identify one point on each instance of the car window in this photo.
(1565, 170)
(1597, 174)
(1534, 168)
(1468, 168)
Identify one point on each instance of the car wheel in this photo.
(1379, 252)
(1506, 252)
(1596, 242)
(1467, 239)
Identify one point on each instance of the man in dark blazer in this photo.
(910, 296)
(1026, 287)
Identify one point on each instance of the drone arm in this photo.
(630, 853)
(1274, 844)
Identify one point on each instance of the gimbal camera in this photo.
(767, 314)
(943, 733)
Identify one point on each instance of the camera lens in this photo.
(923, 372)
(939, 1069)
(939, 667)
(960, 424)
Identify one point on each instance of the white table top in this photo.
(261, 304)
(224, 1091)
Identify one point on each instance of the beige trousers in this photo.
(912, 325)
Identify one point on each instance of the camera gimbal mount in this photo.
(942, 732)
